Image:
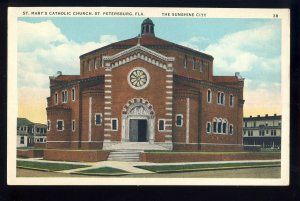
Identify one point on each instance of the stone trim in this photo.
(187, 137)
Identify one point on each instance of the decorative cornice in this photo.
(65, 84)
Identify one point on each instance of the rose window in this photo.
(138, 78)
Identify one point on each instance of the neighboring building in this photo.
(145, 91)
(263, 130)
(29, 134)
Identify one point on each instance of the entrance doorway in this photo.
(138, 130)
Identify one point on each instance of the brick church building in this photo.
(145, 91)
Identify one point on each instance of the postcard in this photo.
(148, 96)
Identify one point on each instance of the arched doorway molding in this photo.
(138, 109)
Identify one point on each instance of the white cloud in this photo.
(38, 35)
(44, 50)
(243, 50)
(195, 42)
(257, 37)
(108, 39)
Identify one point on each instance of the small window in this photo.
(179, 120)
(208, 127)
(193, 64)
(60, 125)
(231, 100)
(201, 66)
(161, 125)
(22, 140)
(231, 129)
(209, 94)
(114, 124)
(224, 126)
(98, 119)
(279, 123)
(73, 125)
(221, 98)
(73, 94)
(245, 124)
(91, 64)
(56, 98)
(64, 96)
(98, 62)
(185, 62)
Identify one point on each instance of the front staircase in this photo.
(125, 155)
(130, 151)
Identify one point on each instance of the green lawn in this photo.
(198, 167)
(44, 166)
(109, 171)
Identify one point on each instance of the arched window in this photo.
(209, 95)
(224, 126)
(56, 98)
(221, 98)
(215, 125)
(219, 125)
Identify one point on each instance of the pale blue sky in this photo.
(249, 46)
(178, 30)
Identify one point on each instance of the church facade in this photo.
(145, 90)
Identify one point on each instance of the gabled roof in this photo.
(23, 122)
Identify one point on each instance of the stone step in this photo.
(136, 146)
(124, 155)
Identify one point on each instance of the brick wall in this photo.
(76, 155)
(188, 157)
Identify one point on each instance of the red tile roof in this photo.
(145, 40)
(148, 40)
(226, 79)
(67, 77)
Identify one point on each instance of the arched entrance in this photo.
(138, 121)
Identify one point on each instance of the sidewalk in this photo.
(129, 166)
